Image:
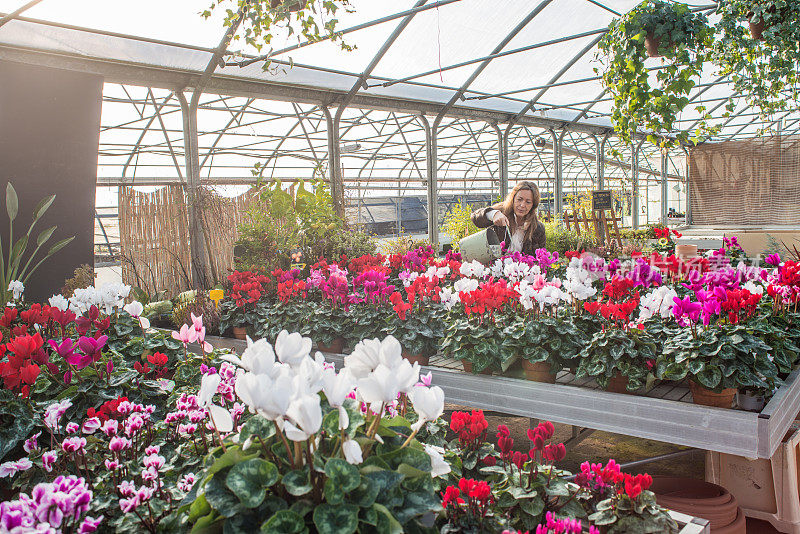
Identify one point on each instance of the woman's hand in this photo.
(500, 219)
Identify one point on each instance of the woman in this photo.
(517, 213)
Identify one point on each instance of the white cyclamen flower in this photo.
(428, 403)
(439, 467)
(365, 358)
(304, 418)
(292, 348)
(265, 396)
(380, 387)
(352, 452)
(59, 301)
(17, 287)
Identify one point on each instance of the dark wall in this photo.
(49, 133)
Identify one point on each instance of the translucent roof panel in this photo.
(173, 38)
(448, 35)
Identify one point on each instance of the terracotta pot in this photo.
(700, 499)
(336, 346)
(618, 384)
(468, 368)
(757, 28)
(706, 397)
(239, 332)
(686, 251)
(652, 43)
(538, 371)
(416, 358)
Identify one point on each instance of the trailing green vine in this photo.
(651, 100)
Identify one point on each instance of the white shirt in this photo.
(517, 238)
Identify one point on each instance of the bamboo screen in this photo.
(154, 236)
(752, 182)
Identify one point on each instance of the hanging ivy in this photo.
(648, 100)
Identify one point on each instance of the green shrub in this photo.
(560, 240)
(458, 223)
(280, 222)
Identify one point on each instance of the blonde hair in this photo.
(507, 207)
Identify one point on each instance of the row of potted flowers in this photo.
(274, 439)
(723, 326)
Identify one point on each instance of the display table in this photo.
(665, 413)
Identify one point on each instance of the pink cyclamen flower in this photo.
(425, 380)
(149, 474)
(48, 459)
(90, 525)
(152, 449)
(110, 427)
(186, 483)
(185, 335)
(124, 408)
(9, 469)
(133, 424)
(154, 460)
(72, 428)
(32, 443)
(126, 488)
(187, 429)
(200, 332)
(130, 504)
(53, 413)
(119, 444)
(91, 425)
(73, 444)
(112, 465)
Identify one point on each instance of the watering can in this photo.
(482, 246)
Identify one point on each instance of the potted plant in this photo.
(619, 357)
(670, 30)
(419, 327)
(238, 310)
(478, 329)
(311, 460)
(761, 60)
(718, 360)
(550, 344)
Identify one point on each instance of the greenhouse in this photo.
(430, 266)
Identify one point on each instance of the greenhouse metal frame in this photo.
(375, 133)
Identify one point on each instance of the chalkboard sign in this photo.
(601, 200)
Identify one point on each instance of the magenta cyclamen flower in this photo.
(74, 444)
(186, 482)
(48, 459)
(154, 461)
(9, 469)
(92, 347)
(112, 465)
(32, 443)
(72, 428)
(50, 507)
(685, 310)
(773, 259)
(119, 444)
(91, 425)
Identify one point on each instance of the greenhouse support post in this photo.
(502, 160)
(635, 183)
(688, 189)
(337, 181)
(664, 188)
(430, 170)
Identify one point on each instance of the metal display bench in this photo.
(665, 413)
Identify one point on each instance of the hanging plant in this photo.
(651, 101)
(758, 47)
